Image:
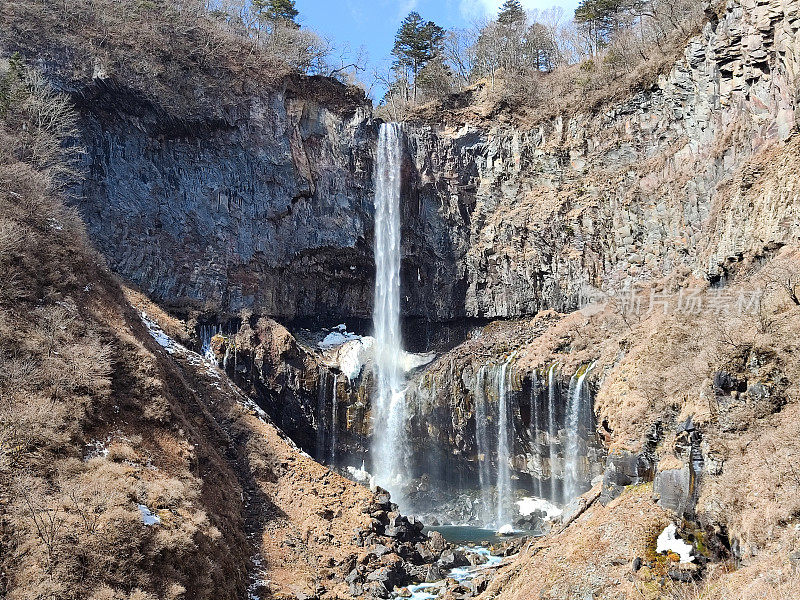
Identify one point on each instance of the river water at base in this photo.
(470, 540)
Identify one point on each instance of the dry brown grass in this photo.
(173, 53)
(74, 378)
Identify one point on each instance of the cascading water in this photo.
(334, 422)
(389, 409)
(535, 425)
(575, 410)
(494, 476)
(504, 492)
(552, 430)
(322, 425)
(482, 443)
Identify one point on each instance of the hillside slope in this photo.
(129, 466)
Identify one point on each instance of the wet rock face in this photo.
(447, 448)
(624, 468)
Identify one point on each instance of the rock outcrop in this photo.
(268, 207)
(265, 203)
(533, 215)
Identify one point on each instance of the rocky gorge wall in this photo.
(631, 191)
(265, 207)
(505, 221)
(265, 203)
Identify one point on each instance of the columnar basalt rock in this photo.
(266, 204)
(534, 214)
(267, 207)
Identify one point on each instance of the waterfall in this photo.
(388, 406)
(535, 426)
(321, 416)
(482, 442)
(575, 410)
(334, 422)
(504, 492)
(495, 507)
(552, 430)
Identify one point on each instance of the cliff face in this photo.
(635, 190)
(266, 203)
(267, 207)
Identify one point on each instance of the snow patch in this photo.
(97, 449)
(174, 348)
(411, 361)
(531, 504)
(148, 518)
(163, 340)
(338, 336)
(353, 352)
(353, 355)
(669, 542)
(361, 475)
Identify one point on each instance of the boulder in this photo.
(437, 542)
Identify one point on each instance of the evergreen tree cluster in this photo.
(519, 48)
(417, 49)
(282, 11)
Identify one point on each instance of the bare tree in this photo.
(47, 520)
(458, 48)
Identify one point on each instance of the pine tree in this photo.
(511, 12)
(602, 17)
(417, 42)
(276, 10)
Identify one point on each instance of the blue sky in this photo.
(373, 23)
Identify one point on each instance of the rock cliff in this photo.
(633, 190)
(265, 203)
(262, 209)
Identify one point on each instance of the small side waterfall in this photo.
(322, 421)
(552, 429)
(494, 445)
(389, 409)
(535, 427)
(578, 400)
(334, 422)
(482, 443)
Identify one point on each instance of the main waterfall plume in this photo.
(389, 409)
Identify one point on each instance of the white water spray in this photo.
(535, 425)
(482, 443)
(388, 405)
(334, 421)
(322, 422)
